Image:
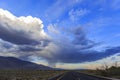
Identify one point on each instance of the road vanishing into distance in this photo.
(77, 76)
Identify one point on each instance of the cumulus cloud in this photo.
(24, 37)
(19, 35)
(21, 30)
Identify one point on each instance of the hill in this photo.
(15, 63)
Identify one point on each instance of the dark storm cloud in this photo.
(80, 37)
(16, 37)
(28, 49)
(75, 56)
(78, 50)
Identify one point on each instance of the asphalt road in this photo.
(76, 76)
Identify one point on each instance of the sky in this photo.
(71, 34)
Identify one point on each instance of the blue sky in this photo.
(89, 27)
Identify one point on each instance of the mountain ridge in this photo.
(15, 63)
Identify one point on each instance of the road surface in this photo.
(76, 76)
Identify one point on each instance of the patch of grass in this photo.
(28, 74)
(113, 72)
(110, 72)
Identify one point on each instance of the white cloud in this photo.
(115, 4)
(59, 7)
(78, 13)
(117, 35)
(53, 29)
(7, 47)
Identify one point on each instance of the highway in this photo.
(77, 76)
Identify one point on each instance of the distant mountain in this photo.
(15, 63)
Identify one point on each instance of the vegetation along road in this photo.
(77, 76)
